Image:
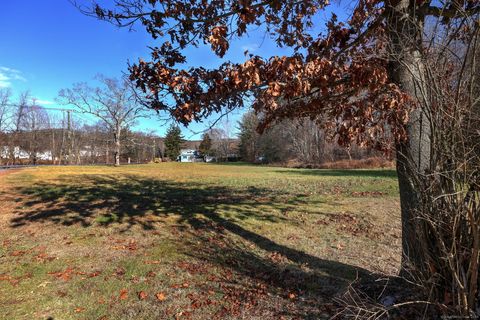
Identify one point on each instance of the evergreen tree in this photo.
(249, 137)
(205, 147)
(173, 142)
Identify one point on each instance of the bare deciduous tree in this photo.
(114, 103)
(5, 107)
(5, 116)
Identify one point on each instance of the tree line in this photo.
(300, 141)
(32, 134)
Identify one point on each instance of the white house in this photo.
(17, 153)
(46, 156)
(187, 155)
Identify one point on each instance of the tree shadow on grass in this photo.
(130, 200)
(107, 200)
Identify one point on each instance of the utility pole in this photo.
(106, 154)
(62, 146)
(69, 137)
(153, 156)
(34, 132)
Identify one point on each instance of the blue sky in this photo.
(49, 45)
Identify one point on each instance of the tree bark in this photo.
(116, 140)
(407, 70)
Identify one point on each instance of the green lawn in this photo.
(191, 241)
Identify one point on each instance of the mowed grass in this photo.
(192, 241)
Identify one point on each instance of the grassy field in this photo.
(191, 241)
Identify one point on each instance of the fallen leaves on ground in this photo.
(64, 275)
(181, 285)
(142, 295)
(123, 294)
(69, 272)
(18, 253)
(160, 296)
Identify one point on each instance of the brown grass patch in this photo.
(369, 163)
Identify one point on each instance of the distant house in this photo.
(188, 155)
(46, 156)
(18, 153)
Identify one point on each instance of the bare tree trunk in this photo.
(52, 152)
(349, 153)
(116, 139)
(107, 153)
(413, 156)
